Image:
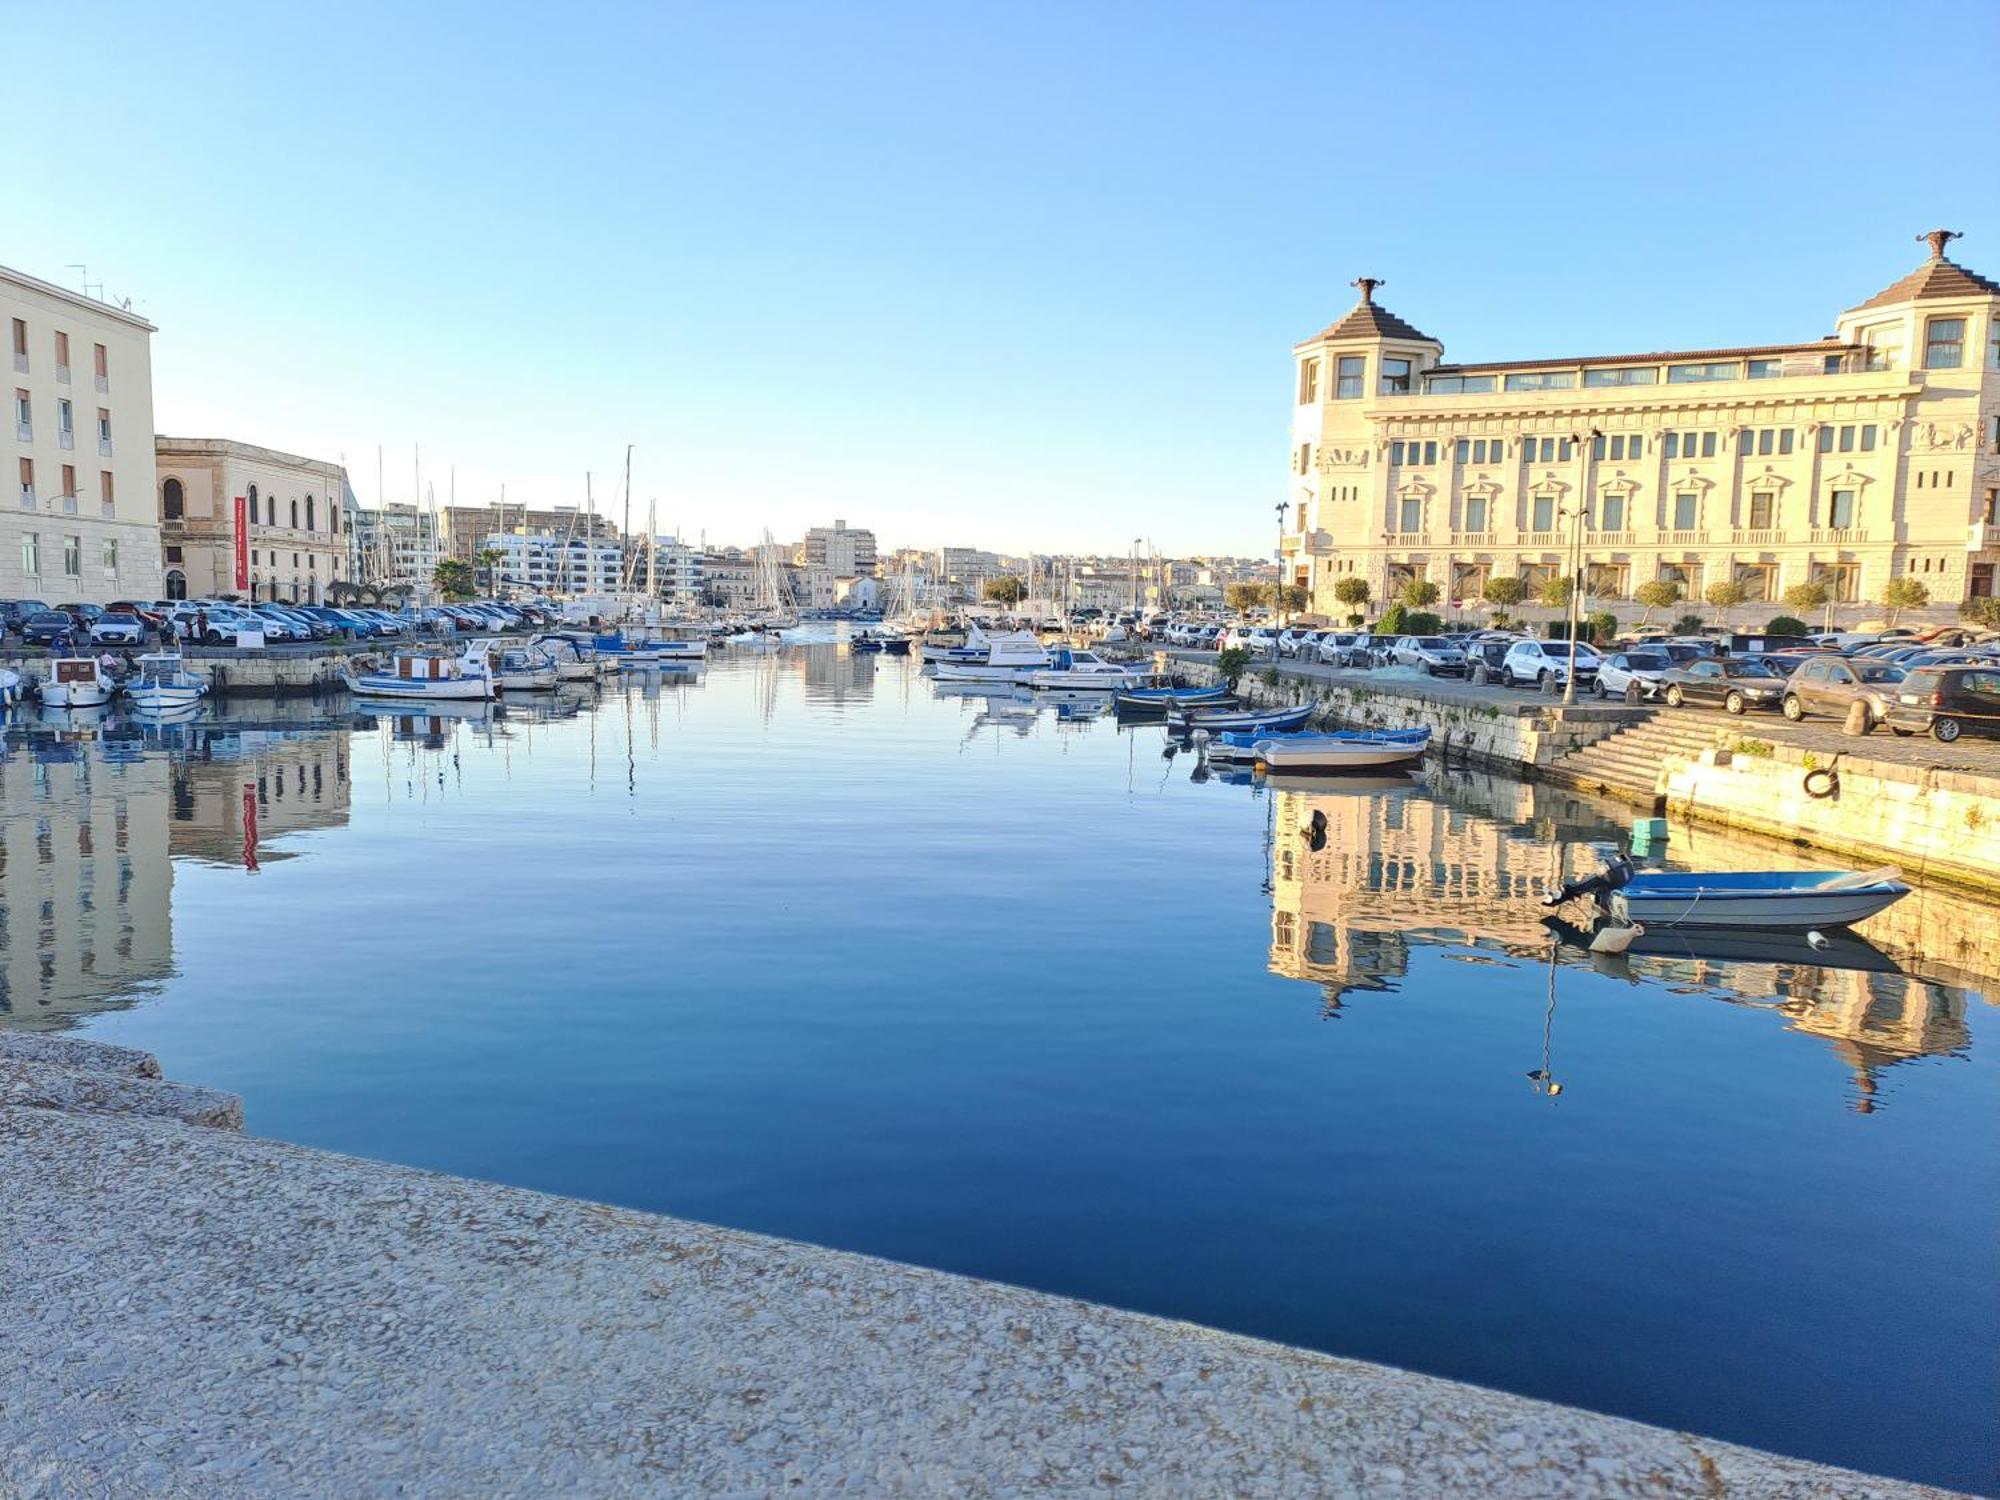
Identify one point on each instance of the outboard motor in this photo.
(1617, 870)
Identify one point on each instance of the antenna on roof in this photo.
(1939, 238)
(83, 275)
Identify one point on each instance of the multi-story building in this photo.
(728, 579)
(555, 564)
(396, 545)
(239, 519)
(1849, 460)
(466, 526)
(77, 518)
(843, 551)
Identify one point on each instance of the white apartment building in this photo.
(555, 565)
(236, 518)
(397, 545)
(77, 515)
(842, 550)
(675, 568)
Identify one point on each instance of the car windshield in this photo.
(1646, 661)
(1880, 674)
(1432, 643)
(1746, 669)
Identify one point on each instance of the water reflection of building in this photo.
(231, 777)
(837, 674)
(85, 881)
(1359, 877)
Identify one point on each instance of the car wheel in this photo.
(1944, 731)
(1794, 710)
(1734, 703)
(1674, 697)
(1602, 690)
(1900, 732)
(1430, 671)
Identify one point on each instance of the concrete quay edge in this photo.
(192, 1311)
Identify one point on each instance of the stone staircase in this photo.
(1627, 764)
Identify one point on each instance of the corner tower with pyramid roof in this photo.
(1846, 460)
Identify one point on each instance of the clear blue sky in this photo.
(1020, 275)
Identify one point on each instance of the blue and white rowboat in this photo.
(1218, 721)
(1780, 900)
(1345, 750)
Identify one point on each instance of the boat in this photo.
(77, 682)
(575, 660)
(1069, 667)
(1158, 700)
(1774, 900)
(979, 645)
(1223, 720)
(417, 673)
(162, 684)
(522, 669)
(12, 687)
(999, 659)
(1345, 750)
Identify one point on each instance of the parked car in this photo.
(1484, 658)
(1831, 685)
(1289, 640)
(42, 627)
(14, 611)
(150, 615)
(1784, 663)
(117, 628)
(1335, 646)
(1946, 702)
(1622, 669)
(1432, 655)
(1532, 662)
(85, 615)
(1737, 686)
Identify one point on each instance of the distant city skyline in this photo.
(1031, 279)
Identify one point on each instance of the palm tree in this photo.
(489, 558)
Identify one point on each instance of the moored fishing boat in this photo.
(998, 659)
(1219, 720)
(1776, 900)
(77, 682)
(417, 673)
(1345, 750)
(575, 660)
(1068, 667)
(1137, 701)
(163, 685)
(522, 669)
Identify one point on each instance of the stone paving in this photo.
(187, 1311)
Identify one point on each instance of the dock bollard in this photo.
(1859, 722)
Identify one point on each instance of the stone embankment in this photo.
(189, 1311)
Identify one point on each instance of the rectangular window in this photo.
(1868, 438)
(101, 362)
(21, 345)
(24, 417)
(1395, 377)
(1454, 385)
(27, 481)
(1463, 450)
(72, 557)
(1308, 382)
(1348, 385)
(1847, 440)
(111, 557)
(104, 490)
(69, 479)
(1544, 513)
(62, 356)
(173, 554)
(1764, 369)
(1944, 343)
(1303, 462)
(1826, 439)
(1412, 517)
(1612, 513)
(1691, 374)
(1840, 514)
(1542, 380)
(1761, 507)
(1475, 513)
(1630, 375)
(1686, 509)
(31, 553)
(1673, 442)
(1785, 440)
(1767, 440)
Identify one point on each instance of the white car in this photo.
(1530, 663)
(1432, 655)
(1262, 641)
(1623, 668)
(1290, 641)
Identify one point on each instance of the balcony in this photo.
(1838, 536)
(103, 446)
(1684, 538)
(1611, 538)
(1744, 536)
(27, 497)
(108, 509)
(62, 374)
(25, 431)
(1544, 539)
(103, 384)
(69, 505)
(1472, 538)
(66, 440)
(20, 364)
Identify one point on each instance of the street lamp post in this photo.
(1278, 589)
(1589, 444)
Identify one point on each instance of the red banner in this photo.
(242, 544)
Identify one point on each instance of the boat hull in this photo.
(442, 689)
(75, 694)
(1797, 910)
(161, 699)
(1333, 759)
(1276, 722)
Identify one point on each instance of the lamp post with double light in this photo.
(1578, 514)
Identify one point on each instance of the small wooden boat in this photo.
(428, 674)
(163, 685)
(77, 682)
(1136, 701)
(1345, 750)
(1219, 720)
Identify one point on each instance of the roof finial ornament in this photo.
(1939, 238)
(1367, 285)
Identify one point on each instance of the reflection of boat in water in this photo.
(1346, 786)
(443, 711)
(1838, 949)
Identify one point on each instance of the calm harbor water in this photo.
(806, 944)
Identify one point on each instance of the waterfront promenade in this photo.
(195, 1312)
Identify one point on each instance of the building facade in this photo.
(283, 542)
(842, 550)
(555, 564)
(1852, 460)
(77, 519)
(397, 545)
(467, 526)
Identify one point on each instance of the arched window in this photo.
(251, 511)
(309, 513)
(295, 515)
(173, 501)
(177, 584)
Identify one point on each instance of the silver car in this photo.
(1432, 655)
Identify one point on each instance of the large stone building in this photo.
(77, 520)
(843, 551)
(1850, 460)
(284, 541)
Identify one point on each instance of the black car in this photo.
(1945, 702)
(44, 626)
(1483, 658)
(1736, 685)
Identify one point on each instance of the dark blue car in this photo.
(42, 628)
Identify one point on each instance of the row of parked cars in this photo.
(219, 622)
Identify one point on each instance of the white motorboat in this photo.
(1344, 750)
(77, 682)
(997, 658)
(1071, 668)
(1772, 900)
(163, 684)
(522, 669)
(575, 660)
(418, 673)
